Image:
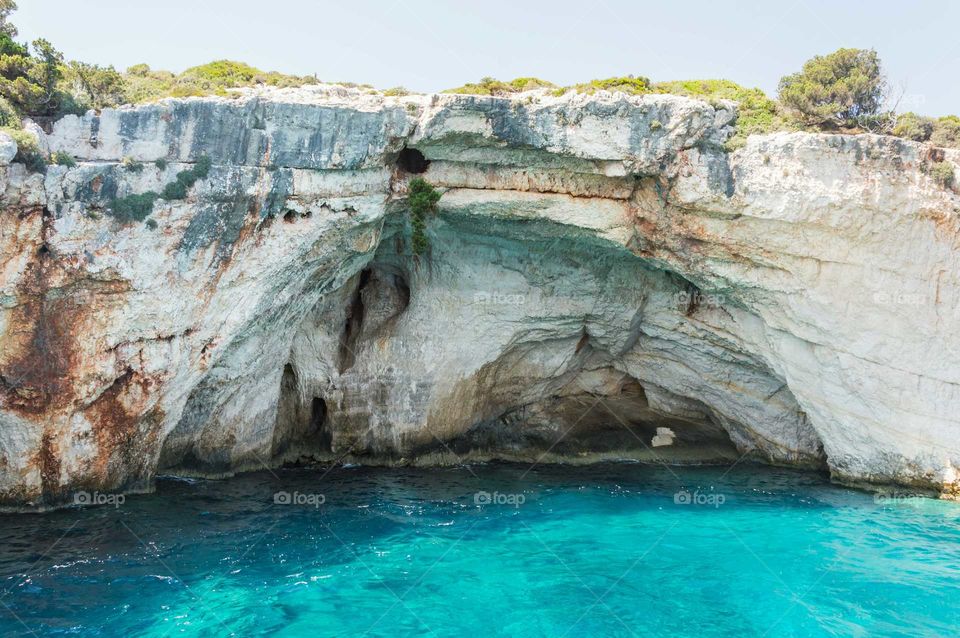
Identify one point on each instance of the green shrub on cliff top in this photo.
(913, 127)
(142, 84)
(756, 113)
(946, 131)
(628, 84)
(943, 131)
(492, 86)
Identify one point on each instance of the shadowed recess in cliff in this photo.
(412, 160)
(302, 429)
(353, 324)
(585, 350)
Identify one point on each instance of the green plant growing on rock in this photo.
(28, 150)
(422, 198)
(60, 158)
(756, 113)
(139, 206)
(835, 90)
(133, 207)
(178, 188)
(942, 174)
(132, 165)
(161, 164)
(9, 118)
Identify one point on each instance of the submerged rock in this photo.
(596, 286)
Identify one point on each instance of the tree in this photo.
(31, 83)
(837, 89)
(6, 28)
(97, 86)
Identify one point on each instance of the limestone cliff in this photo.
(603, 280)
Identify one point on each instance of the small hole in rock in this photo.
(412, 161)
(289, 216)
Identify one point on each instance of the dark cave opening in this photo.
(353, 324)
(318, 424)
(412, 161)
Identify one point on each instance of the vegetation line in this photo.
(844, 91)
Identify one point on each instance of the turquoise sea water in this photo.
(558, 551)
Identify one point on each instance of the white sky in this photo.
(429, 46)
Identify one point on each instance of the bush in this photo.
(138, 207)
(942, 173)
(9, 118)
(28, 150)
(61, 158)
(132, 207)
(201, 168)
(628, 84)
(397, 91)
(946, 131)
(913, 127)
(142, 84)
(756, 113)
(492, 86)
(178, 188)
(132, 165)
(422, 199)
(222, 73)
(139, 70)
(836, 89)
(161, 164)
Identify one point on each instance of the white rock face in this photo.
(8, 149)
(597, 286)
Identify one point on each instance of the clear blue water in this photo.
(593, 551)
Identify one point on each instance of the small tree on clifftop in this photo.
(836, 89)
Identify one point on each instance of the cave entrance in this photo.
(413, 161)
(303, 428)
(318, 424)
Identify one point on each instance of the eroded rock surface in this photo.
(600, 274)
